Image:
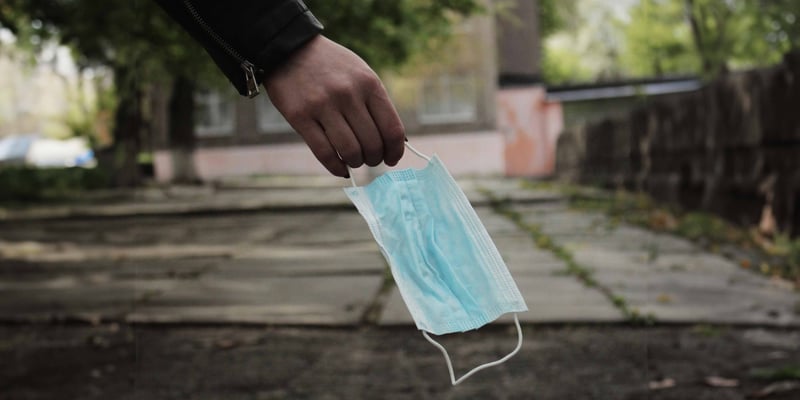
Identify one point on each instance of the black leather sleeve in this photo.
(260, 32)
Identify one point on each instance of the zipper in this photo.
(248, 67)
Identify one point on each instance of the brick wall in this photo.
(732, 147)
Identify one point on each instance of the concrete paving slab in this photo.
(532, 263)
(549, 299)
(523, 257)
(512, 189)
(341, 264)
(496, 225)
(280, 300)
(337, 228)
(706, 298)
(73, 298)
(575, 227)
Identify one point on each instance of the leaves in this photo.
(388, 34)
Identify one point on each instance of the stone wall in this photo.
(732, 147)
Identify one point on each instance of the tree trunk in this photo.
(697, 36)
(181, 131)
(121, 159)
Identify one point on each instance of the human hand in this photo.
(338, 105)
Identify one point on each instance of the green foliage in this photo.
(772, 28)
(388, 33)
(562, 65)
(555, 15)
(658, 40)
(585, 43)
(709, 36)
(35, 184)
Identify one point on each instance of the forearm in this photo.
(246, 39)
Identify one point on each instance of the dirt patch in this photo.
(125, 362)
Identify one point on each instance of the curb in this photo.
(109, 212)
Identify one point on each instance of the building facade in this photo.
(478, 106)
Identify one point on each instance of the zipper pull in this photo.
(250, 78)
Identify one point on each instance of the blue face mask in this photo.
(446, 266)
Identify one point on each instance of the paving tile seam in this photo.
(502, 206)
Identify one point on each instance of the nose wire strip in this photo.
(453, 379)
(408, 145)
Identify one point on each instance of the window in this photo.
(269, 119)
(214, 113)
(448, 99)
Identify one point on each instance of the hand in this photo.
(337, 103)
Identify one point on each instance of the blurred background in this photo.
(636, 161)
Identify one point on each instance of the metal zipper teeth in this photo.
(246, 65)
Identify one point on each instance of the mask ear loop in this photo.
(408, 145)
(453, 379)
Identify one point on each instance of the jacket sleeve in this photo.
(246, 38)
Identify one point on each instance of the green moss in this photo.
(777, 373)
(707, 229)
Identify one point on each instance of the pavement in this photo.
(276, 290)
(310, 260)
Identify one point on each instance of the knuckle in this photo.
(370, 81)
(341, 91)
(317, 102)
(294, 114)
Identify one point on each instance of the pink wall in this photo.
(476, 153)
(523, 145)
(530, 126)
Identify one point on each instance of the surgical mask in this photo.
(449, 272)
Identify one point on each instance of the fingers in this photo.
(367, 134)
(342, 138)
(391, 128)
(321, 147)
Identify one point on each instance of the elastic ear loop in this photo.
(408, 145)
(453, 379)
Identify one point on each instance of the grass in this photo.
(778, 256)
(24, 184)
(777, 374)
(708, 331)
(582, 273)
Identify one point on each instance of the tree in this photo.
(658, 40)
(708, 37)
(582, 41)
(144, 48)
(386, 34)
(133, 38)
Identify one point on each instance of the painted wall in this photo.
(475, 153)
(530, 125)
(523, 145)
